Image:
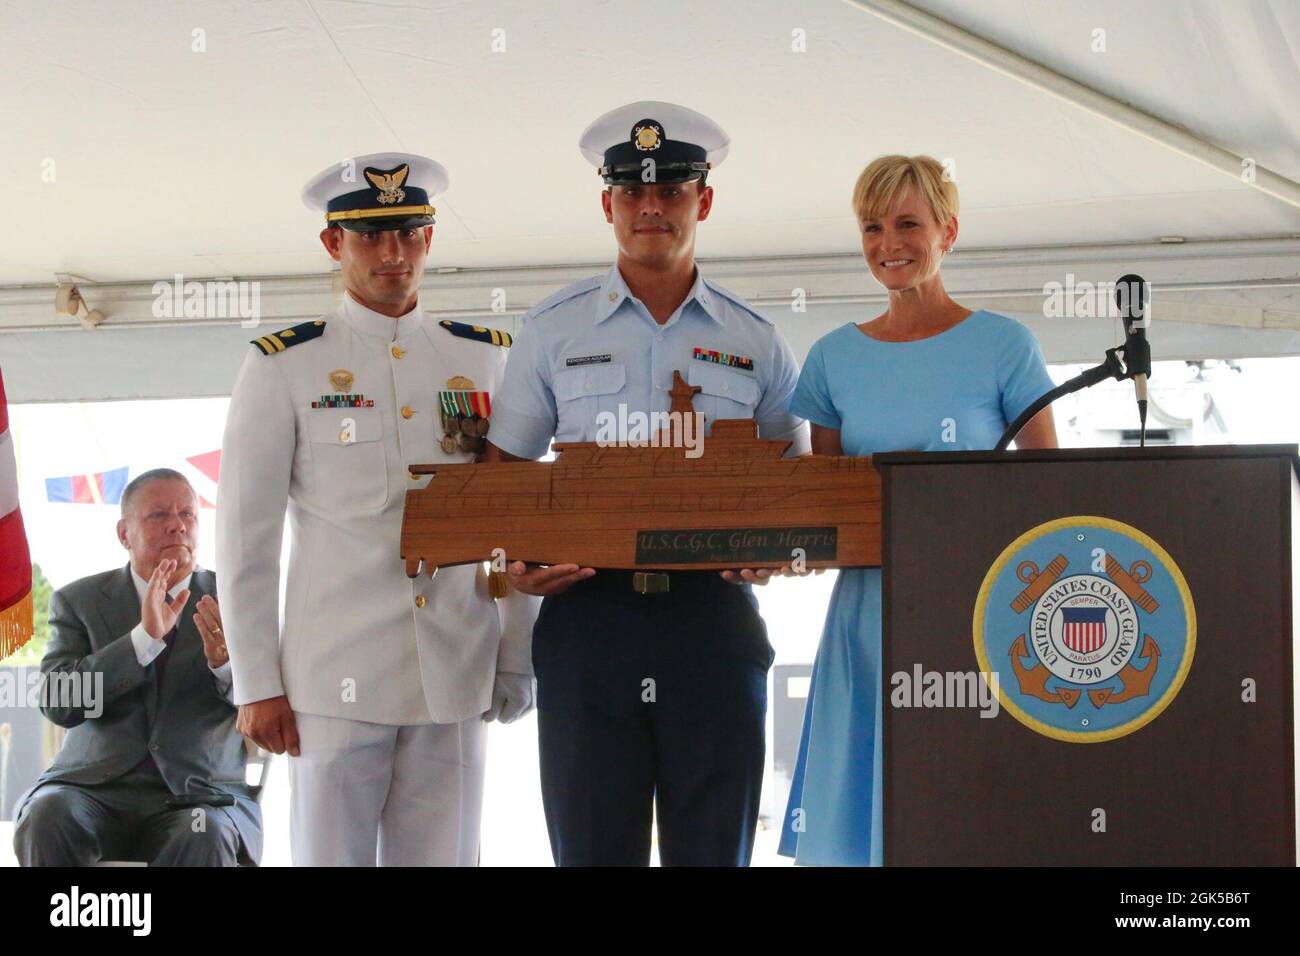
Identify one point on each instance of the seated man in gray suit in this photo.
(152, 767)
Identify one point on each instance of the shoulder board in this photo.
(287, 338)
(571, 291)
(738, 301)
(477, 332)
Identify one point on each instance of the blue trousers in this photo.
(651, 704)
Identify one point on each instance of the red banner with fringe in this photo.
(15, 558)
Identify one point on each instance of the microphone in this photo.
(1131, 299)
(1131, 293)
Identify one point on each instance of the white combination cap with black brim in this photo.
(377, 192)
(653, 142)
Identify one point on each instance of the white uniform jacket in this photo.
(358, 639)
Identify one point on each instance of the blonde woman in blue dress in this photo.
(927, 374)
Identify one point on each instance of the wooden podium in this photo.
(1094, 559)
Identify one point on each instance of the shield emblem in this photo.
(1083, 629)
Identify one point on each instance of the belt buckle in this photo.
(649, 582)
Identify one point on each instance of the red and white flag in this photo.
(203, 472)
(15, 559)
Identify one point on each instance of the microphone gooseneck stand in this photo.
(1113, 367)
(1130, 360)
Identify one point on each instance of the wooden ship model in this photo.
(739, 504)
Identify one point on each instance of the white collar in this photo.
(142, 586)
(369, 322)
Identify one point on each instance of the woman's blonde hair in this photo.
(885, 178)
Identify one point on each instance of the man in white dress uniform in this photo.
(378, 686)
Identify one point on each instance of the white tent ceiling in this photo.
(166, 160)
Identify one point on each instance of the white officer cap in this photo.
(378, 191)
(684, 144)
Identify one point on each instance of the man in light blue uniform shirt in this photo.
(594, 346)
(652, 688)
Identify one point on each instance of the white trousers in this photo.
(364, 794)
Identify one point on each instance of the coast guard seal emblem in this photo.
(1090, 627)
(647, 135)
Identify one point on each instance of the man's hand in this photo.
(512, 697)
(542, 581)
(207, 618)
(269, 724)
(156, 615)
(789, 572)
(763, 575)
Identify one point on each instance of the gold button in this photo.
(407, 411)
(419, 600)
(397, 351)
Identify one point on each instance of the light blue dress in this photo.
(957, 390)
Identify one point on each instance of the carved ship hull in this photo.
(739, 504)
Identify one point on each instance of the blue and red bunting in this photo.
(104, 487)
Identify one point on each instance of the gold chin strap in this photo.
(388, 213)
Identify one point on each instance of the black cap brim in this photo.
(666, 174)
(379, 224)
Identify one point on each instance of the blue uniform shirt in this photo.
(593, 346)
